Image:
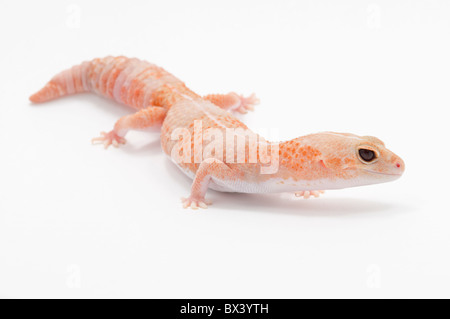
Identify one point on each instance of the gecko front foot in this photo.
(247, 103)
(108, 139)
(308, 194)
(195, 203)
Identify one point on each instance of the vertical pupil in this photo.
(367, 155)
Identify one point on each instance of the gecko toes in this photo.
(108, 139)
(308, 194)
(194, 203)
(247, 103)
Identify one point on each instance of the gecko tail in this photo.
(67, 82)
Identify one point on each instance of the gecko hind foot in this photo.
(108, 139)
(195, 203)
(308, 194)
(247, 103)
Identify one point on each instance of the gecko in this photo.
(204, 138)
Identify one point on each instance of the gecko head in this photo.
(364, 159)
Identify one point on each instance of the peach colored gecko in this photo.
(188, 122)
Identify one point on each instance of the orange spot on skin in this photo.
(333, 162)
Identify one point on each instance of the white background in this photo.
(79, 221)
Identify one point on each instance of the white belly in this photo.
(272, 185)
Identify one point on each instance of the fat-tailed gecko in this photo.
(204, 139)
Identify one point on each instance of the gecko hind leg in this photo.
(209, 168)
(141, 120)
(308, 194)
(233, 102)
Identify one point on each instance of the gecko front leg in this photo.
(233, 101)
(308, 194)
(140, 120)
(208, 169)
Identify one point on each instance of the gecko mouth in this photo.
(379, 173)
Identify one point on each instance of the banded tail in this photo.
(68, 82)
(128, 81)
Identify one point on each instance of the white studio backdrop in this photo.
(79, 221)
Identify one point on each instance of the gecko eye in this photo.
(367, 155)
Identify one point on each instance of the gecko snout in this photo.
(399, 165)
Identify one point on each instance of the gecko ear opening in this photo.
(329, 164)
(334, 164)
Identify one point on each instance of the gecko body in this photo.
(209, 144)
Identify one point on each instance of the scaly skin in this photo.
(195, 132)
